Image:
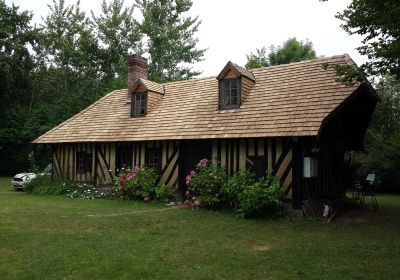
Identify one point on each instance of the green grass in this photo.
(52, 237)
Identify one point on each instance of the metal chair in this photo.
(368, 189)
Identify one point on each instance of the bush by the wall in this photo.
(164, 193)
(136, 183)
(265, 194)
(204, 184)
(45, 185)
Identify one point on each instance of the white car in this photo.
(21, 179)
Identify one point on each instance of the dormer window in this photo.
(229, 93)
(139, 104)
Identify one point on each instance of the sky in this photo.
(230, 29)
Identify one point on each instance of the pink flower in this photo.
(204, 162)
(146, 199)
(192, 173)
(136, 169)
(187, 192)
(211, 174)
(121, 180)
(187, 202)
(196, 203)
(188, 179)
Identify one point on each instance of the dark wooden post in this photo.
(297, 173)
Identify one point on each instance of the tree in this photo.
(17, 36)
(117, 34)
(257, 60)
(170, 39)
(378, 22)
(291, 51)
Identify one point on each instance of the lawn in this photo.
(53, 237)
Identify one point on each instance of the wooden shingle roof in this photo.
(152, 86)
(286, 100)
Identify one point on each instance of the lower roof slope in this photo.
(286, 100)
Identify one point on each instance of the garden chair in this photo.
(367, 188)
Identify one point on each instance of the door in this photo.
(190, 153)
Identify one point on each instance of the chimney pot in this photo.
(137, 68)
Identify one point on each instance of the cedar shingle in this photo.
(286, 100)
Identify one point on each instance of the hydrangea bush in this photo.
(204, 184)
(136, 183)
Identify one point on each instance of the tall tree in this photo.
(377, 21)
(118, 34)
(291, 51)
(17, 36)
(171, 41)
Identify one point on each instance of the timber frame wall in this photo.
(233, 154)
(281, 156)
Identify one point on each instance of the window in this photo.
(83, 162)
(153, 159)
(257, 164)
(139, 104)
(123, 155)
(229, 93)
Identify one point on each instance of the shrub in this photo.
(236, 184)
(45, 185)
(136, 183)
(204, 184)
(264, 194)
(84, 191)
(164, 193)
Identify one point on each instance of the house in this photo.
(295, 121)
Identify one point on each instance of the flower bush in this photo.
(85, 191)
(136, 183)
(204, 184)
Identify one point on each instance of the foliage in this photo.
(291, 51)
(236, 184)
(204, 184)
(377, 21)
(136, 183)
(17, 37)
(382, 143)
(258, 59)
(84, 191)
(171, 43)
(164, 193)
(118, 34)
(263, 194)
(51, 72)
(45, 185)
(250, 195)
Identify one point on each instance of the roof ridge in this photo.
(302, 62)
(75, 116)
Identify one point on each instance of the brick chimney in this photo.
(137, 68)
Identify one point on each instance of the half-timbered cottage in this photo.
(295, 121)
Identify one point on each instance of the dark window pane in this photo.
(230, 93)
(234, 101)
